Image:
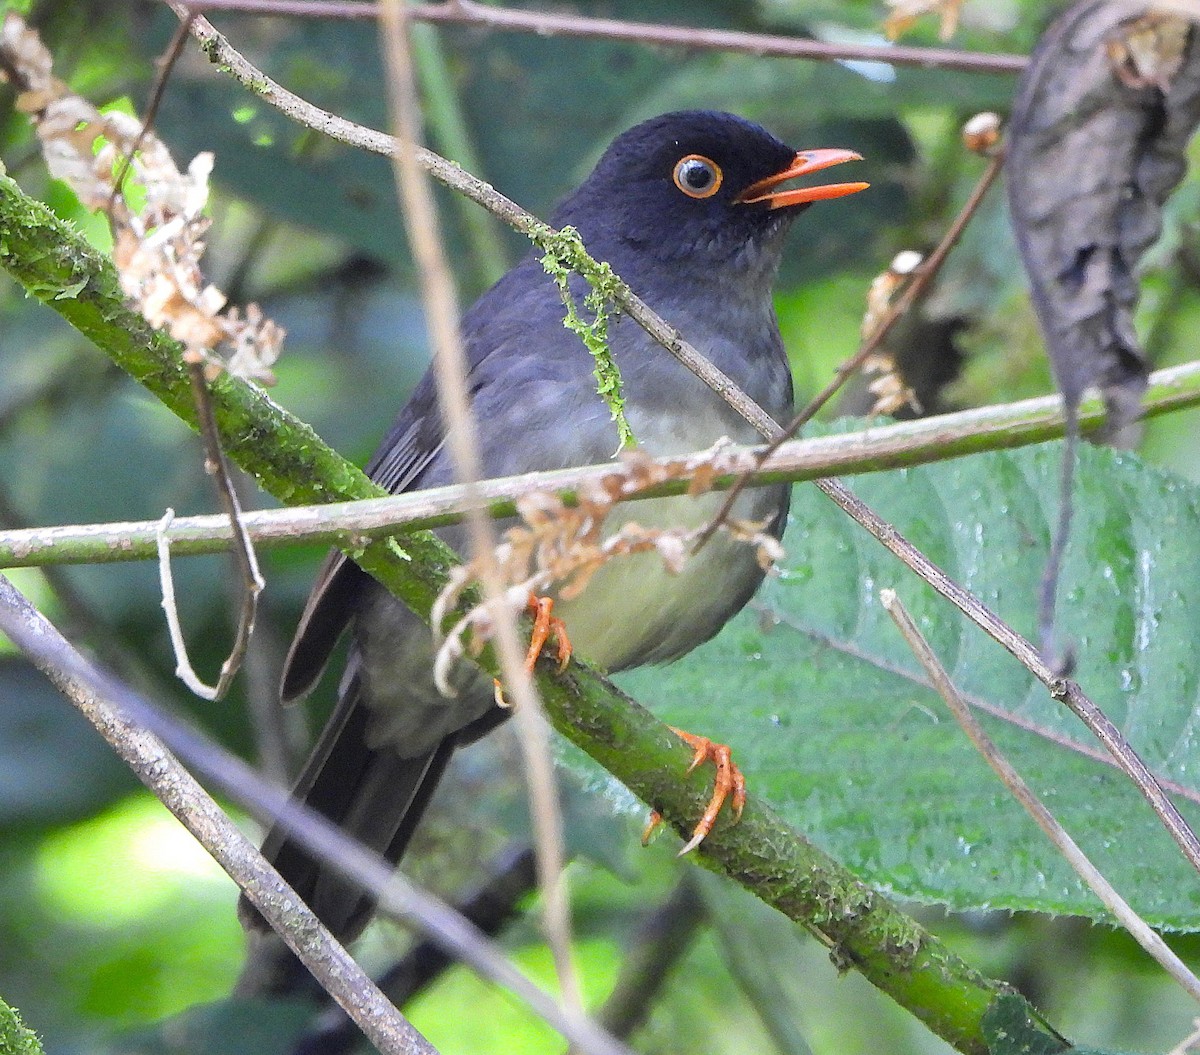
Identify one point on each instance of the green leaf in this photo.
(831, 720)
(1010, 1031)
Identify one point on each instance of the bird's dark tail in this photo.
(377, 798)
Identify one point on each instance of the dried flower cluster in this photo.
(560, 548)
(888, 387)
(156, 248)
(906, 12)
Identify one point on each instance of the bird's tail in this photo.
(377, 798)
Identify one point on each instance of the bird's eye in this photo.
(697, 176)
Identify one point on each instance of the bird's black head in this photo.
(697, 185)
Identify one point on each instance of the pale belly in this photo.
(636, 611)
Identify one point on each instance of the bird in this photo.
(690, 208)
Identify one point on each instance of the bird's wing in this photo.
(413, 441)
(522, 311)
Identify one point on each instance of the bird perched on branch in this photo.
(690, 209)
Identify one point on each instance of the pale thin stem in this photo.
(561, 23)
(1024, 794)
(902, 444)
(243, 548)
(184, 670)
(462, 437)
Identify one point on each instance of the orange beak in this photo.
(802, 164)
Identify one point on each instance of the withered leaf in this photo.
(1094, 150)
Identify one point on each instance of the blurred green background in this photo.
(117, 934)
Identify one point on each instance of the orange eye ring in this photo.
(697, 176)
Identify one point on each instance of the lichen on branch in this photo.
(564, 255)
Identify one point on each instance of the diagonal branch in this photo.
(139, 734)
(106, 707)
(761, 852)
(566, 245)
(1141, 931)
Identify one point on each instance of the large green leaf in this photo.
(831, 720)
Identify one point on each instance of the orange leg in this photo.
(729, 782)
(545, 624)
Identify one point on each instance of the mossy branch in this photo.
(55, 264)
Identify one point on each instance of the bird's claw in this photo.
(545, 625)
(729, 784)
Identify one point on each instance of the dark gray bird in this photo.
(689, 210)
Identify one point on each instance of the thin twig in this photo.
(163, 66)
(217, 466)
(148, 740)
(554, 23)
(1061, 689)
(1024, 794)
(450, 366)
(184, 670)
(916, 286)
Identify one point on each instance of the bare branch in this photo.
(163, 66)
(140, 735)
(1005, 426)
(216, 464)
(1024, 794)
(561, 24)
(108, 707)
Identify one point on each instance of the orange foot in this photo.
(729, 781)
(544, 625)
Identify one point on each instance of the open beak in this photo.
(802, 164)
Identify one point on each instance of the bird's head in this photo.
(698, 186)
